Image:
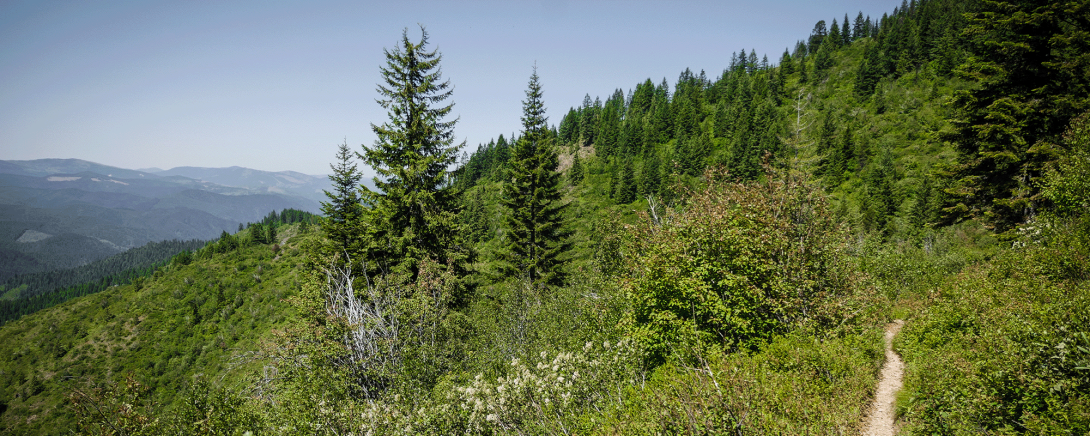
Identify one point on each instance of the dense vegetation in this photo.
(32, 292)
(191, 317)
(717, 259)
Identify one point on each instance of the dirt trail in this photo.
(881, 411)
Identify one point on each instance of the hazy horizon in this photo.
(275, 87)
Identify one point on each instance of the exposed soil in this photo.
(881, 422)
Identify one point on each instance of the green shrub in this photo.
(737, 264)
(794, 385)
(1003, 349)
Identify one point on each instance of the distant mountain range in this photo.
(62, 213)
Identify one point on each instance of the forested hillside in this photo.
(192, 317)
(717, 255)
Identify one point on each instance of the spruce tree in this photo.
(257, 234)
(859, 30)
(575, 174)
(588, 121)
(845, 32)
(415, 208)
(627, 189)
(786, 65)
(650, 174)
(834, 34)
(536, 240)
(823, 59)
(344, 211)
(1033, 75)
(816, 37)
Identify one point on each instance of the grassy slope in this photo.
(184, 321)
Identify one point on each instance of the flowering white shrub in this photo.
(547, 396)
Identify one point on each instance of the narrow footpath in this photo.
(881, 411)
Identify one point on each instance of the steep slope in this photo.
(187, 319)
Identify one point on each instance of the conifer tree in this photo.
(859, 29)
(804, 75)
(1033, 75)
(588, 121)
(344, 211)
(834, 34)
(816, 37)
(786, 64)
(627, 189)
(650, 174)
(575, 174)
(845, 32)
(531, 195)
(257, 234)
(823, 59)
(415, 208)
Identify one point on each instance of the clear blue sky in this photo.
(277, 85)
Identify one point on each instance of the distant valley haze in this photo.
(277, 86)
(63, 213)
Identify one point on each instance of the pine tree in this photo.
(650, 174)
(1031, 68)
(859, 30)
(344, 211)
(575, 174)
(415, 208)
(835, 39)
(845, 32)
(627, 189)
(536, 238)
(823, 59)
(817, 36)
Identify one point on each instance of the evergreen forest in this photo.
(720, 254)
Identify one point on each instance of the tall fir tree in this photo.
(627, 187)
(650, 174)
(859, 29)
(575, 174)
(834, 35)
(845, 32)
(1032, 69)
(414, 213)
(536, 239)
(342, 222)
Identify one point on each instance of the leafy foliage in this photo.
(34, 292)
(737, 265)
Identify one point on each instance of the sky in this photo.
(277, 85)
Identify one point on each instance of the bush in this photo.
(734, 266)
